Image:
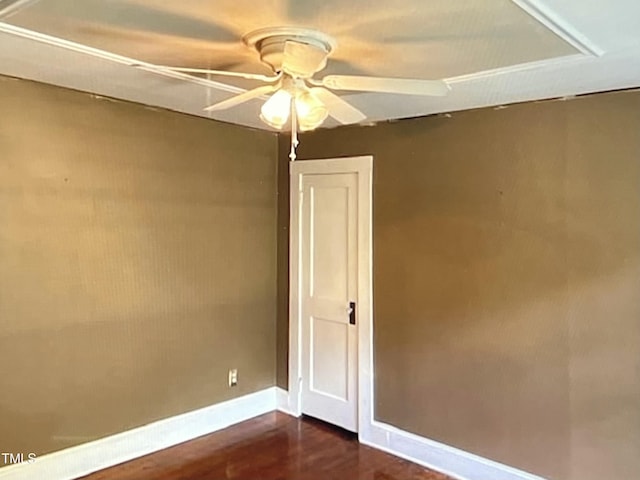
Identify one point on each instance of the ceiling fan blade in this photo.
(338, 108)
(302, 59)
(435, 88)
(250, 76)
(243, 97)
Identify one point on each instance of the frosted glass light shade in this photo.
(275, 111)
(311, 111)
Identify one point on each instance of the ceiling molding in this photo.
(558, 25)
(112, 57)
(11, 7)
(520, 67)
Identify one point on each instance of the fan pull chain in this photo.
(294, 130)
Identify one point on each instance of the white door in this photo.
(328, 276)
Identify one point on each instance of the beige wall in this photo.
(137, 265)
(506, 280)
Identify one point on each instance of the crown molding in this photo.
(112, 57)
(520, 67)
(558, 25)
(552, 21)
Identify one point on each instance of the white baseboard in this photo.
(87, 458)
(282, 402)
(428, 453)
(439, 457)
(90, 457)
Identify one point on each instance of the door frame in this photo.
(363, 166)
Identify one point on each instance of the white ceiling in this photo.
(491, 52)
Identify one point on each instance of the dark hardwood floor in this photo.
(274, 446)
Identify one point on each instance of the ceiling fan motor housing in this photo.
(270, 44)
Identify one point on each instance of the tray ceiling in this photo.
(482, 48)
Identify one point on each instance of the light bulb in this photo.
(311, 111)
(275, 111)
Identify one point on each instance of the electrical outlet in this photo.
(233, 377)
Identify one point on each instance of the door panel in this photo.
(329, 282)
(329, 358)
(329, 237)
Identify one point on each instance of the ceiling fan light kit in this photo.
(295, 55)
(309, 110)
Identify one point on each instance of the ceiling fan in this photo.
(295, 55)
